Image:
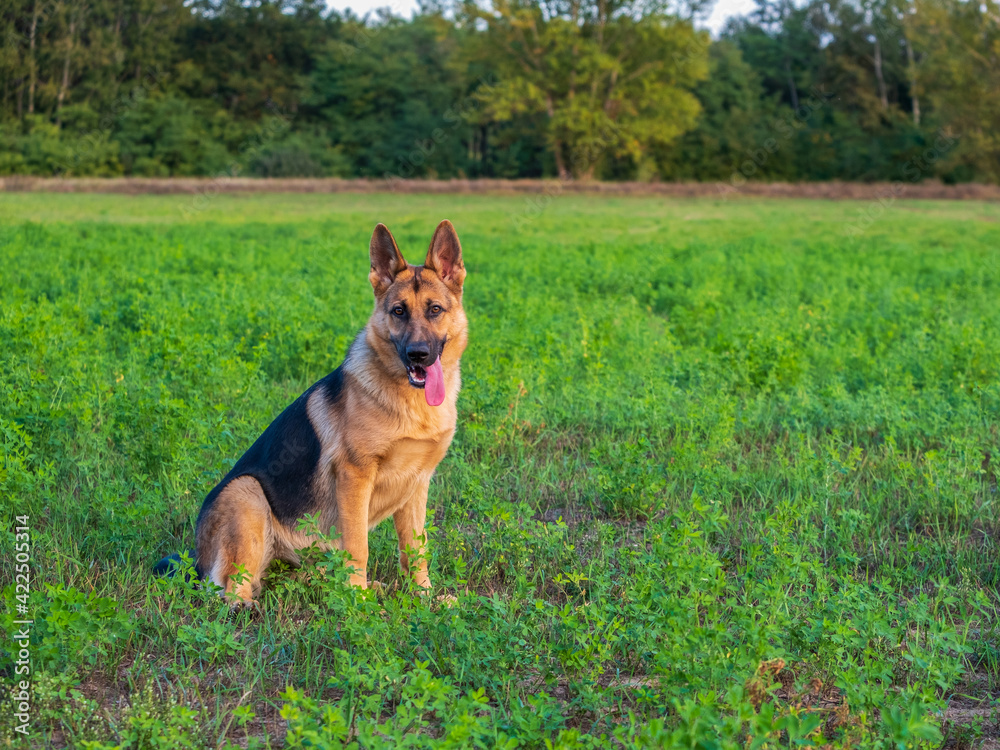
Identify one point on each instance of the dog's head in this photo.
(418, 309)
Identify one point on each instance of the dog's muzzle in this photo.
(417, 357)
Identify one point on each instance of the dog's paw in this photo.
(251, 608)
(446, 600)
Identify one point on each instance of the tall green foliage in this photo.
(732, 488)
(846, 89)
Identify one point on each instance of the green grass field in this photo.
(724, 476)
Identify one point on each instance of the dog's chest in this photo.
(409, 460)
(406, 466)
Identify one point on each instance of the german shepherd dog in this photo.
(358, 446)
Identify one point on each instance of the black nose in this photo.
(418, 353)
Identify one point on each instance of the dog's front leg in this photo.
(409, 521)
(354, 492)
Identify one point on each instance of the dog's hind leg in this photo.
(235, 539)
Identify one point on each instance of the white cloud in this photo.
(403, 8)
(723, 10)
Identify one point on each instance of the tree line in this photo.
(574, 89)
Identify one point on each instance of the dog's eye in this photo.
(435, 309)
(398, 310)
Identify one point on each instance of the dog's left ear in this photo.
(445, 256)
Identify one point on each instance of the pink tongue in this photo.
(434, 384)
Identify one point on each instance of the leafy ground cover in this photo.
(725, 474)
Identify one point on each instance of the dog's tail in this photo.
(170, 564)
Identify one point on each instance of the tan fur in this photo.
(381, 441)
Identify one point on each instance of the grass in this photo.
(724, 476)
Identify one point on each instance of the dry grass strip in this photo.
(928, 190)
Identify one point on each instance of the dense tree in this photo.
(389, 101)
(734, 122)
(959, 75)
(609, 77)
(251, 56)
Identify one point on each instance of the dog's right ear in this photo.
(386, 259)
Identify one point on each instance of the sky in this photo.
(722, 10)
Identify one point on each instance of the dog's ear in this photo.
(386, 259)
(445, 256)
